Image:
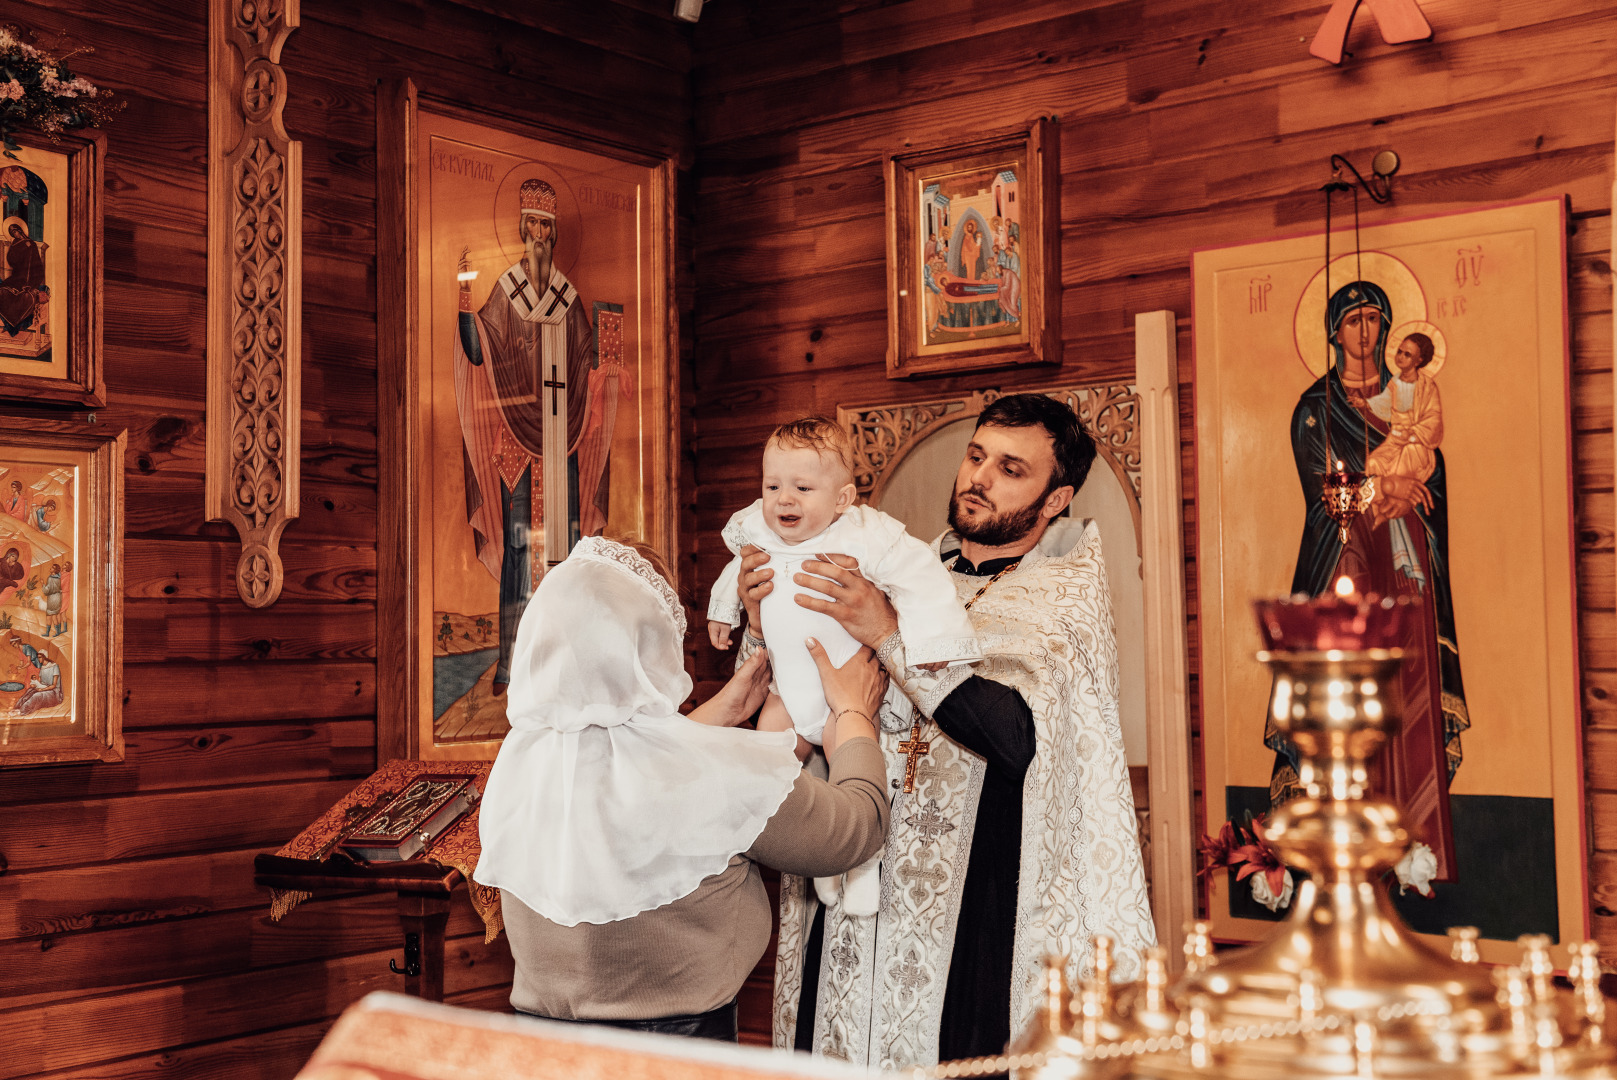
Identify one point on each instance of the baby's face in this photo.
(804, 491)
(1407, 358)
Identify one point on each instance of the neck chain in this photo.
(978, 595)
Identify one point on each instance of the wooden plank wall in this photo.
(1185, 123)
(132, 939)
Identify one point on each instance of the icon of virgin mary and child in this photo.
(1386, 419)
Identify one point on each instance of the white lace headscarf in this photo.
(604, 801)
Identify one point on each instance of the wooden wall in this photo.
(132, 938)
(1185, 123)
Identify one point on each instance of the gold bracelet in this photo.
(856, 712)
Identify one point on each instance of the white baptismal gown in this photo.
(904, 568)
(921, 590)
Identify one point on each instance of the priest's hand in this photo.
(853, 692)
(755, 585)
(863, 610)
(740, 697)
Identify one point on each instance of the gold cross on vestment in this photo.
(914, 747)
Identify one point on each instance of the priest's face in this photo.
(1002, 491)
(804, 491)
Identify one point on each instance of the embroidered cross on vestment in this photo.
(930, 822)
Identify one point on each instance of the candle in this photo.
(1340, 620)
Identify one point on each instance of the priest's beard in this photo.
(997, 529)
(539, 253)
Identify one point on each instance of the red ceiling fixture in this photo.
(1399, 21)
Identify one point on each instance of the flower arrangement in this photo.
(1247, 849)
(38, 90)
(1416, 870)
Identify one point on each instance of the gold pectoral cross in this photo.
(913, 747)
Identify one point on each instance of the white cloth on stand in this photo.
(604, 801)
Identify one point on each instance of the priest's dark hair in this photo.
(1074, 448)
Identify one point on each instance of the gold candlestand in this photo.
(1403, 1007)
(1343, 988)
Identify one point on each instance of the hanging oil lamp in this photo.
(1346, 493)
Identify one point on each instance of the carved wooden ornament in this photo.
(255, 251)
(883, 435)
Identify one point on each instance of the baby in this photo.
(1411, 405)
(808, 510)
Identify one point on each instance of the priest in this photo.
(1013, 832)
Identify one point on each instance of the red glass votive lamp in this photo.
(1339, 621)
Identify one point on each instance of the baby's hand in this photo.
(719, 634)
(937, 666)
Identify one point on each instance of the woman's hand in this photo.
(853, 691)
(754, 586)
(863, 610)
(741, 696)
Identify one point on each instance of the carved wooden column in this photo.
(1167, 705)
(255, 213)
(398, 520)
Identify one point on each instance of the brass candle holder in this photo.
(1343, 936)
(1342, 988)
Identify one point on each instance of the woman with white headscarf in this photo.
(625, 838)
